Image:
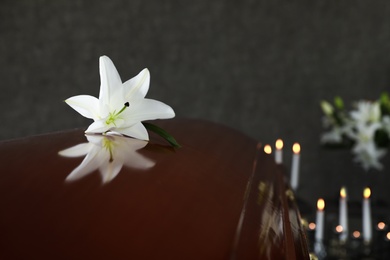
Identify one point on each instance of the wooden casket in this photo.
(66, 195)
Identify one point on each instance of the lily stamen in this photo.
(114, 115)
(108, 145)
(111, 157)
(127, 104)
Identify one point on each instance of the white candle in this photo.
(343, 214)
(367, 223)
(295, 166)
(279, 151)
(319, 235)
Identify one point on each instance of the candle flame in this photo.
(320, 204)
(343, 192)
(312, 226)
(279, 144)
(366, 193)
(267, 149)
(339, 229)
(296, 148)
(356, 234)
(381, 225)
(388, 236)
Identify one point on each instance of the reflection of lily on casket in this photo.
(108, 153)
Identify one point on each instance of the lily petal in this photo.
(137, 131)
(137, 87)
(94, 139)
(110, 170)
(138, 161)
(87, 106)
(131, 145)
(97, 127)
(91, 162)
(110, 81)
(76, 151)
(148, 109)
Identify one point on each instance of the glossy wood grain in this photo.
(217, 197)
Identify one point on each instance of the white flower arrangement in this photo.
(365, 129)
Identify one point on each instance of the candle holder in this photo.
(354, 247)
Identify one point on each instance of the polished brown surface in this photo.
(217, 197)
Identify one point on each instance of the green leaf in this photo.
(385, 98)
(339, 103)
(338, 118)
(161, 132)
(385, 103)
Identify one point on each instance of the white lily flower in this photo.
(333, 136)
(369, 156)
(121, 107)
(107, 153)
(365, 148)
(364, 134)
(336, 132)
(366, 112)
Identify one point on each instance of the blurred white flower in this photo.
(366, 112)
(327, 108)
(337, 132)
(335, 135)
(121, 107)
(366, 128)
(370, 156)
(365, 150)
(332, 136)
(107, 153)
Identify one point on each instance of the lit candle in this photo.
(367, 225)
(320, 220)
(279, 151)
(343, 214)
(295, 166)
(267, 149)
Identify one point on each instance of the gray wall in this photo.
(258, 66)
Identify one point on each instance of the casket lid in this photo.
(217, 197)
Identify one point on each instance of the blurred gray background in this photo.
(261, 67)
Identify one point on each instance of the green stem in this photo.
(161, 132)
